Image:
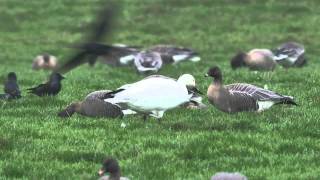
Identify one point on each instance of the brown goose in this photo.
(241, 97)
(45, 61)
(290, 54)
(93, 106)
(110, 170)
(256, 59)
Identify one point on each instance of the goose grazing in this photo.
(153, 95)
(172, 54)
(256, 59)
(147, 61)
(11, 87)
(290, 54)
(93, 106)
(50, 88)
(228, 176)
(45, 61)
(110, 170)
(241, 97)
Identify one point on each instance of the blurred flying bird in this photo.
(50, 88)
(91, 49)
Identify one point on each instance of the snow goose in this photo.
(153, 95)
(290, 54)
(256, 59)
(240, 96)
(93, 106)
(110, 170)
(45, 61)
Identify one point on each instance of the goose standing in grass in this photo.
(228, 176)
(11, 87)
(50, 88)
(110, 170)
(256, 59)
(45, 61)
(290, 54)
(240, 96)
(93, 106)
(153, 95)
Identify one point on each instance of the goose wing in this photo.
(259, 94)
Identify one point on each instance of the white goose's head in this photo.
(187, 79)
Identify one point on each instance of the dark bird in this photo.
(11, 87)
(50, 88)
(93, 106)
(290, 54)
(110, 166)
(240, 96)
(91, 49)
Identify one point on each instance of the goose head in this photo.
(111, 166)
(215, 73)
(238, 60)
(187, 79)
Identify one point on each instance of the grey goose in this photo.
(110, 170)
(256, 59)
(45, 61)
(290, 54)
(147, 62)
(240, 96)
(93, 106)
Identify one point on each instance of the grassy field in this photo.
(281, 143)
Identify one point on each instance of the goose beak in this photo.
(101, 172)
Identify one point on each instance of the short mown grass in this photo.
(281, 143)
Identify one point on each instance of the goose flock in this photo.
(155, 94)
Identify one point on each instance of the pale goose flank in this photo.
(110, 170)
(93, 106)
(148, 62)
(241, 97)
(173, 54)
(45, 61)
(153, 95)
(256, 59)
(290, 54)
(228, 176)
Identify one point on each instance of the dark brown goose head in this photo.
(111, 166)
(215, 73)
(46, 58)
(238, 60)
(70, 110)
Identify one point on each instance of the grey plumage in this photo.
(228, 176)
(111, 166)
(290, 54)
(147, 61)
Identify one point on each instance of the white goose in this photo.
(153, 95)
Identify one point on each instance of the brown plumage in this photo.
(45, 61)
(93, 106)
(256, 59)
(241, 97)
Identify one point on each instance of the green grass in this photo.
(281, 143)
